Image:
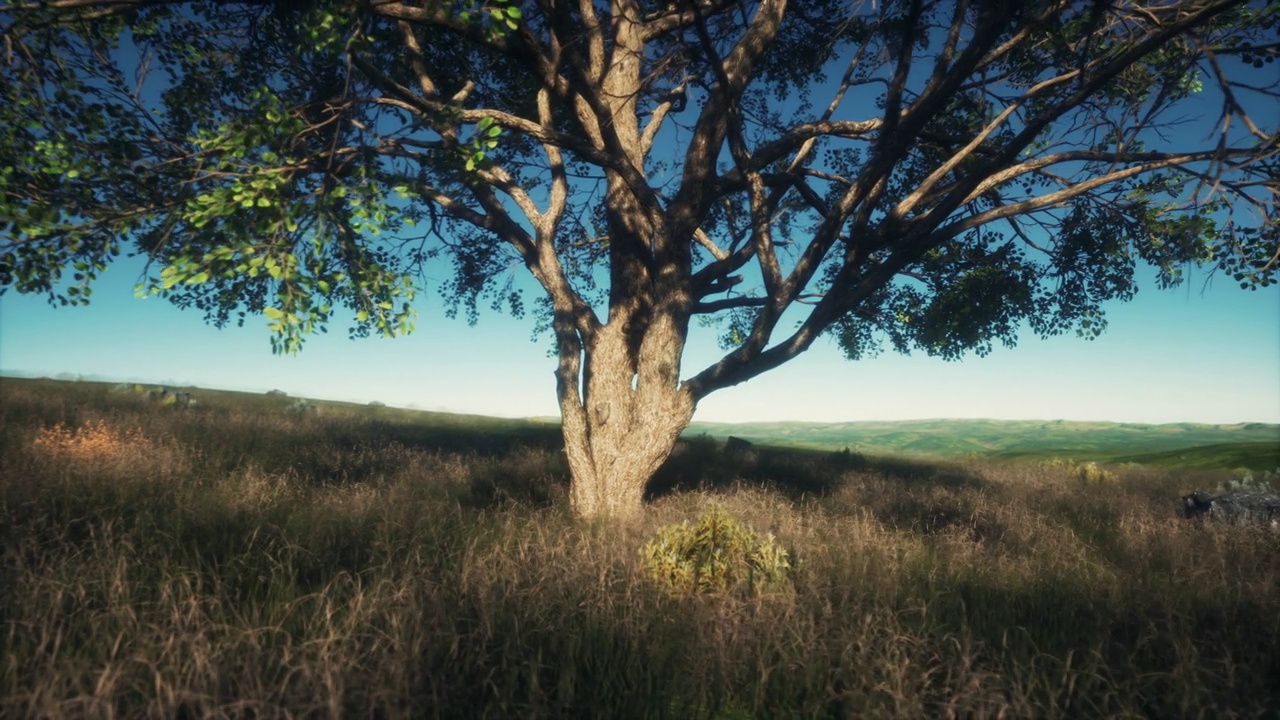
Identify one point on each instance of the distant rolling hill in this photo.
(1255, 446)
(1250, 445)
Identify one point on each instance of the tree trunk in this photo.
(627, 421)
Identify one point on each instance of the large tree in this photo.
(935, 175)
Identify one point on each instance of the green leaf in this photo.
(273, 313)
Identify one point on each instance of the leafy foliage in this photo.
(1090, 474)
(716, 554)
(277, 159)
(1246, 481)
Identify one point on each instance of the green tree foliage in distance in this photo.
(926, 175)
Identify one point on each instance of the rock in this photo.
(302, 406)
(277, 393)
(1244, 507)
(167, 397)
(736, 445)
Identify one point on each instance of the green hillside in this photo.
(1255, 456)
(1253, 445)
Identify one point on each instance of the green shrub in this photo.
(1091, 474)
(716, 554)
(1057, 463)
(1246, 481)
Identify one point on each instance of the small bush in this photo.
(1057, 463)
(1090, 474)
(1246, 481)
(716, 554)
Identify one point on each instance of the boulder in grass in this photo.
(1244, 508)
(302, 406)
(169, 397)
(277, 393)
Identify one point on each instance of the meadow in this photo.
(1254, 446)
(251, 558)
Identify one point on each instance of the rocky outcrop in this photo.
(1243, 507)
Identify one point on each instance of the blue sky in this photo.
(1193, 354)
(1203, 352)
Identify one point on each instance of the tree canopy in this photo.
(930, 175)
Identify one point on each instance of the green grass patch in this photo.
(1262, 456)
(1001, 438)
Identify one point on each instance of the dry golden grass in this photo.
(233, 561)
(100, 448)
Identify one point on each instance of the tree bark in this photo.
(624, 425)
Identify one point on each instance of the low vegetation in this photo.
(716, 554)
(236, 559)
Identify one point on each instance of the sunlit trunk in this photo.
(617, 439)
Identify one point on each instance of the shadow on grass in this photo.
(502, 461)
(704, 464)
(485, 438)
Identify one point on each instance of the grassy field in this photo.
(1258, 443)
(247, 558)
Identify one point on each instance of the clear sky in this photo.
(1193, 354)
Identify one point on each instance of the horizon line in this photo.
(91, 378)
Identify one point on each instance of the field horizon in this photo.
(1245, 445)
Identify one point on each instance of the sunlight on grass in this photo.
(236, 560)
